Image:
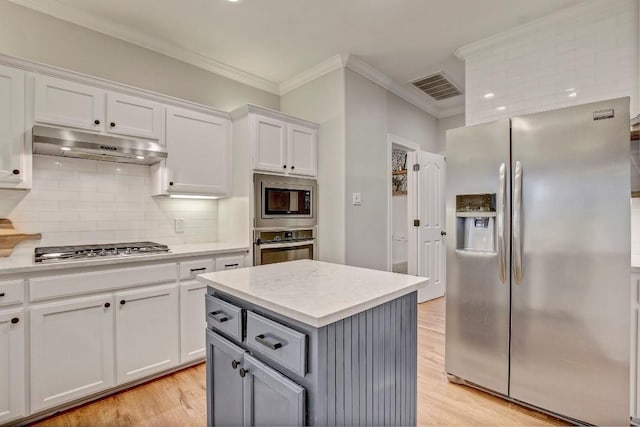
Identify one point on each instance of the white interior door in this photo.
(427, 207)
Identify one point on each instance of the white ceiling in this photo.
(266, 42)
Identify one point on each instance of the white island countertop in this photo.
(313, 292)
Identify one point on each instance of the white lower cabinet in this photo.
(71, 350)
(12, 365)
(146, 331)
(192, 320)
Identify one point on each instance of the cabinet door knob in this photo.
(122, 302)
(284, 166)
(243, 372)
(112, 124)
(96, 121)
(234, 364)
(170, 182)
(16, 320)
(107, 304)
(16, 171)
(293, 167)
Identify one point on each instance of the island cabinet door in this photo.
(270, 398)
(224, 383)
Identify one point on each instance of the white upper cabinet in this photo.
(279, 143)
(199, 161)
(302, 150)
(64, 103)
(270, 144)
(12, 128)
(133, 116)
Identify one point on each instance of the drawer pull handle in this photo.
(231, 265)
(262, 340)
(218, 316)
(1, 294)
(235, 364)
(193, 270)
(243, 372)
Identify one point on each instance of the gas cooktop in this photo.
(88, 252)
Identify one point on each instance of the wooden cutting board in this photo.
(9, 237)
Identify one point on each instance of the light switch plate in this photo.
(179, 225)
(357, 199)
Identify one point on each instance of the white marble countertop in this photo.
(313, 292)
(23, 263)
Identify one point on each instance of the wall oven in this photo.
(284, 202)
(284, 245)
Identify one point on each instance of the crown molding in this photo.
(130, 35)
(537, 24)
(404, 91)
(330, 64)
(448, 112)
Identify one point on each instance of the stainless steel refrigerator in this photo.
(538, 260)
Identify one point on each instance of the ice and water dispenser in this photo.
(476, 218)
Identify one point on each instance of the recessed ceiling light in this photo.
(234, 1)
(501, 108)
(65, 148)
(489, 95)
(573, 94)
(140, 157)
(571, 89)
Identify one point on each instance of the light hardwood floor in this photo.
(179, 399)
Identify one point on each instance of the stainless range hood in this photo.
(86, 145)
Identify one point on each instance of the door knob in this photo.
(443, 233)
(234, 364)
(243, 372)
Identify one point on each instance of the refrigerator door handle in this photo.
(502, 253)
(517, 220)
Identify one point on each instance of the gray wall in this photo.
(444, 124)
(28, 34)
(372, 113)
(322, 101)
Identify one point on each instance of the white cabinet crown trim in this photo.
(250, 108)
(73, 76)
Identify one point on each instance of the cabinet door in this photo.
(266, 389)
(71, 350)
(11, 126)
(199, 148)
(224, 384)
(269, 144)
(64, 103)
(11, 365)
(132, 116)
(302, 150)
(192, 321)
(146, 331)
(635, 344)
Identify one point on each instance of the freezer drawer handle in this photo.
(262, 340)
(219, 316)
(502, 262)
(517, 226)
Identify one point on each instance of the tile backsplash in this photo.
(75, 201)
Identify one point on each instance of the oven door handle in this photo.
(286, 244)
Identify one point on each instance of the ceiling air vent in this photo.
(437, 86)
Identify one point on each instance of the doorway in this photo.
(416, 248)
(399, 150)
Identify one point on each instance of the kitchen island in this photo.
(311, 343)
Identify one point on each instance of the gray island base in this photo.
(346, 355)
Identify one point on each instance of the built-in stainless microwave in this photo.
(282, 201)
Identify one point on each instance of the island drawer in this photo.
(11, 292)
(224, 317)
(278, 342)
